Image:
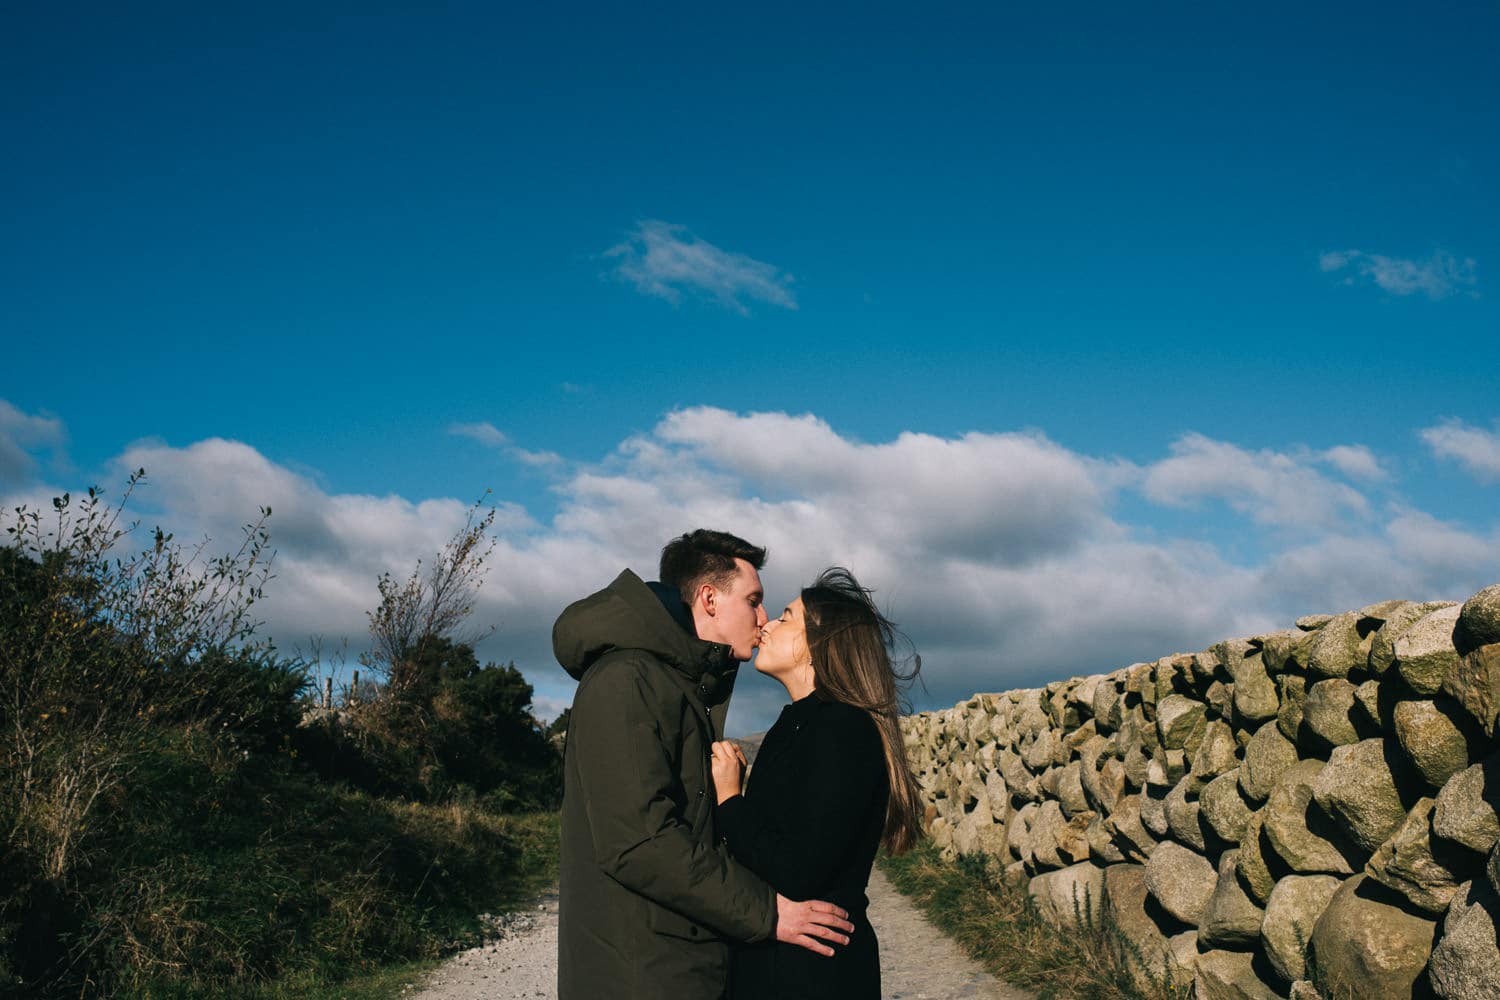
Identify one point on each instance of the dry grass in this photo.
(997, 925)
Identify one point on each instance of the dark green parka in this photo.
(650, 897)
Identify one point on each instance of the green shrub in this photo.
(232, 869)
(454, 728)
(165, 834)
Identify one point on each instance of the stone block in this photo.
(1103, 850)
(1255, 698)
(1479, 621)
(1466, 961)
(1425, 651)
(1335, 650)
(1148, 954)
(1230, 975)
(1223, 807)
(1439, 737)
(1268, 756)
(1129, 832)
(1468, 807)
(1300, 835)
(1475, 682)
(1383, 643)
(1327, 717)
(1232, 919)
(1042, 837)
(1254, 869)
(1358, 788)
(1154, 810)
(1291, 914)
(1177, 718)
(1181, 880)
(1365, 947)
(1425, 871)
(1216, 754)
(1282, 651)
(1291, 694)
(1182, 810)
(1070, 898)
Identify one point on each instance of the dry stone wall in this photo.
(1309, 813)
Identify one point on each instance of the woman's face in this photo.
(783, 644)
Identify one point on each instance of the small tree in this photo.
(441, 722)
(429, 605)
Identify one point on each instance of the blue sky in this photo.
(1212, 285)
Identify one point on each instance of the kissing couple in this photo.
(678, 881)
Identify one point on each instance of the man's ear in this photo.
(708, 597)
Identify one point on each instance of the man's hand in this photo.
(804, 923)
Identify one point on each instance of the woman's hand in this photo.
(728, 767)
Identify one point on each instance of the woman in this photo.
(831, 783)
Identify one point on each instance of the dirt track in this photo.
(916, 961)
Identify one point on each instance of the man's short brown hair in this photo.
(698, 557)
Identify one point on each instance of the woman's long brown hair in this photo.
(851, 644)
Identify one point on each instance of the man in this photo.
(650, 896)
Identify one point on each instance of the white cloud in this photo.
(484, 432)
(1005, 556)
(665, 260)
(21, 434)
(1412, 555)
(1355, 461)
(1274, 488)
(491, 436)
(1012, 497)
(1474, 448)
(1437, 277)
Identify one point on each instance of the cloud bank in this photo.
(1007, 558)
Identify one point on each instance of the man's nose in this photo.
(760, 615)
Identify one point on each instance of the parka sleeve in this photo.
(641, 838)
(796, 849)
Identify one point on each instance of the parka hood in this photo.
(629, 614)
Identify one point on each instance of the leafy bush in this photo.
(454, 728)
(164, 834)
(95, 649)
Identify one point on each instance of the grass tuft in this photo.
(997, 924)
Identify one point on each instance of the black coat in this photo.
(650, 896)
(809, 823)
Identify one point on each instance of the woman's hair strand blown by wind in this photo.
(851, 644)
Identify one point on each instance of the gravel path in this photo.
(916, 961)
